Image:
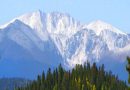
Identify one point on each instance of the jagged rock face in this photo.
(42, 40)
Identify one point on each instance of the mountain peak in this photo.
(45, 40)
(36, 19)
(98, 26)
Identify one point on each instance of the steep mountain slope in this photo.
(38, 40)
(22, 53)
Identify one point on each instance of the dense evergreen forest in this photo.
(82, 77)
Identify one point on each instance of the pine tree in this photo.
(39, 82)
(60, 76)
(43, 81)
(94, 73)
(65, 81)
(49, 80)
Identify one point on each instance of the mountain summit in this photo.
(98, 26)
(37, 40)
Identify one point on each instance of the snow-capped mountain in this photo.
(37, 39)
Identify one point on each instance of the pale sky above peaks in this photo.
(115, 12)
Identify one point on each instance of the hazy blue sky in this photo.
(115, 12)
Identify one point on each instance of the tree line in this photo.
(82, 77)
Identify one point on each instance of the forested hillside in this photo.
(82, 77)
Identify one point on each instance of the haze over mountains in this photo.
(36, 41)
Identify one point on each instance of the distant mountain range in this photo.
(36, 41)
(12, 83)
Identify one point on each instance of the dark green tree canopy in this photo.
(84, 77)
